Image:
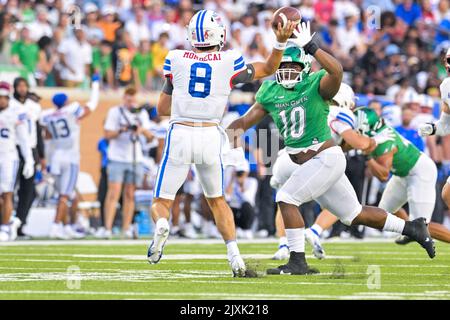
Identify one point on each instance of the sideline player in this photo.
(13, 128)
(442, 126)
(297, 103)
(62, 126)
(195, 95)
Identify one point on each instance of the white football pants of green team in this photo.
(322, 178)
(418, 189)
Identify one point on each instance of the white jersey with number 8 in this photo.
(202, 83)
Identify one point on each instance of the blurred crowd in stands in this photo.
(392, 52)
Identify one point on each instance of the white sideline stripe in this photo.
(172, 241)
(381, 295)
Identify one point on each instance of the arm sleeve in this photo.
(244, 76)
(167, 86)
(95, 90)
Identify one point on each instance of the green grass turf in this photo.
(122, 272)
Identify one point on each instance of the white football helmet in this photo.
(411, 96)
(206, 29)
(345, 97)
(426, 101)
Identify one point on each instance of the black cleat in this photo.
(296, 266)
(402, 240)
(417, 230)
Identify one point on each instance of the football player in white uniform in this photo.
(63, 129)
(341, 121)
(195, 94)
(13, 130)
(442, 126)
(22, 100)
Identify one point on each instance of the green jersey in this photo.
(404, 159)
(143, 62)
(300, 114)
(101, 62)
(28, 54)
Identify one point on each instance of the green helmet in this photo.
(367, 121)
(289, 77)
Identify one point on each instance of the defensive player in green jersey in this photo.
(413, 179)
(297, 103)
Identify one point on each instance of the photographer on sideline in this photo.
(124, 124)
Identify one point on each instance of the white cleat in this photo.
(72, 233)
(14, 225)
(238, 267)
(212, 232)
(282, 253)
(189, 231)
(155, 251)
(102, 233)
(5, 232)
(57, 232)
(314, 240)
(130, 233)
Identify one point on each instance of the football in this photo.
(284, 14)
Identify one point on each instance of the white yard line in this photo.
(142, 257)
(171, 241)
(193, 256)
(201, 276)
(187, 262)
(178, 295)
(322, 274)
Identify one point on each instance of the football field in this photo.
(198, 270)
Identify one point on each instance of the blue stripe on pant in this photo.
(221, 164)
(163, 164)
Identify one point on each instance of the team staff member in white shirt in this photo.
(124, 124)
(12, 129)
(22, 101)
(75, 55)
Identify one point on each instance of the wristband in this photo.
(434, 129)
(280, 45)
(311, 47)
